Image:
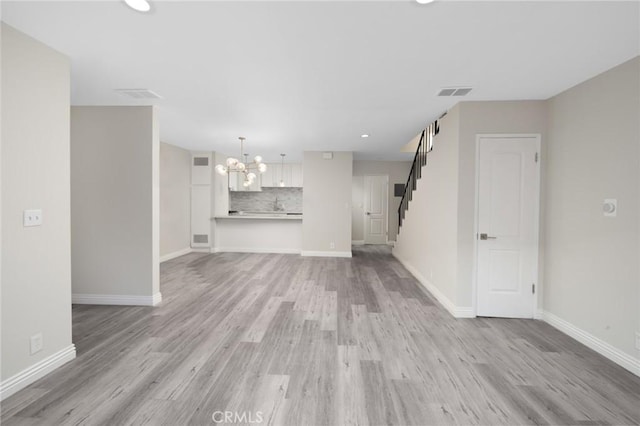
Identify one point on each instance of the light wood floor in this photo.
(317, 341)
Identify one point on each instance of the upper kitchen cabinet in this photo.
(236, 182)
(290, 174)
(268, 178)
(296, 175)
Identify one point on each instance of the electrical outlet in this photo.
(36, 343)
(32, 217)
(332, 245)
(638, 340)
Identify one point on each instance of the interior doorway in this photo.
(508, 198)
(376, 190)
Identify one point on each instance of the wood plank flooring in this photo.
(290, 340)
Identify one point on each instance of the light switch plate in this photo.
(32, 217)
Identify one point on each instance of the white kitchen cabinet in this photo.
(236, 181)
(268, 178)
(296, 175)
(290, 173)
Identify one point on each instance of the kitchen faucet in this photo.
(277, 205)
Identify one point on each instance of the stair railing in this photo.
(425, 145)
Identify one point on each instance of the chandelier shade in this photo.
(248, 169)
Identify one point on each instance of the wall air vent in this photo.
(200, 161)
(200, 238)
(454, 91)
(138, 93)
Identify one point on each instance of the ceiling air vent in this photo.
(454, 91)
(138, 93)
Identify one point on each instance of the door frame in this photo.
(536, 215)
(386, 206)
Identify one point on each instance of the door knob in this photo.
(486, 237)
(368, 213)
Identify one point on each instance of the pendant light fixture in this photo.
(246, 168)
(282, 170)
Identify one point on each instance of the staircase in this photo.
(425, 146)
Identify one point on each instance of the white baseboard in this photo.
(202, 250)
(157, 299)
(175, 254)
(254, 250)
(592, 342)
(36, 371)
(357, 242)
(116, 299)
(455, 311)
(308, 253)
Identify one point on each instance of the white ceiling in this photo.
(295, 76)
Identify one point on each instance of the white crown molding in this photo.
(116, 299)
(36, 371)
(592, 342)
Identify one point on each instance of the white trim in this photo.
(36, 371)
(325, 253)
(536, 231)
(157, 299)
(116, 299)
(456, 311)
(254, 250)
(357, 242)
(201, 250)
(592, 342)
(175, 254)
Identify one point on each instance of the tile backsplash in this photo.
(290, 200)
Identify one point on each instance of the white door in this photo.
(508, 205)
(375, 209)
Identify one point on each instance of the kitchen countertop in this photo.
(261, 216)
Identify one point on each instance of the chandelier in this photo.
(247, 169)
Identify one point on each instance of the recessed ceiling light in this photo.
(424, 1)
(139, 5)
(364, 135)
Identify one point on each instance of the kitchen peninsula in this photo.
(267, 221)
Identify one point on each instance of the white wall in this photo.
(327, 204)
(36, 261)
(175, 199)
(398, 171)
(115, 203)
(591, 269)
(428, 240)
